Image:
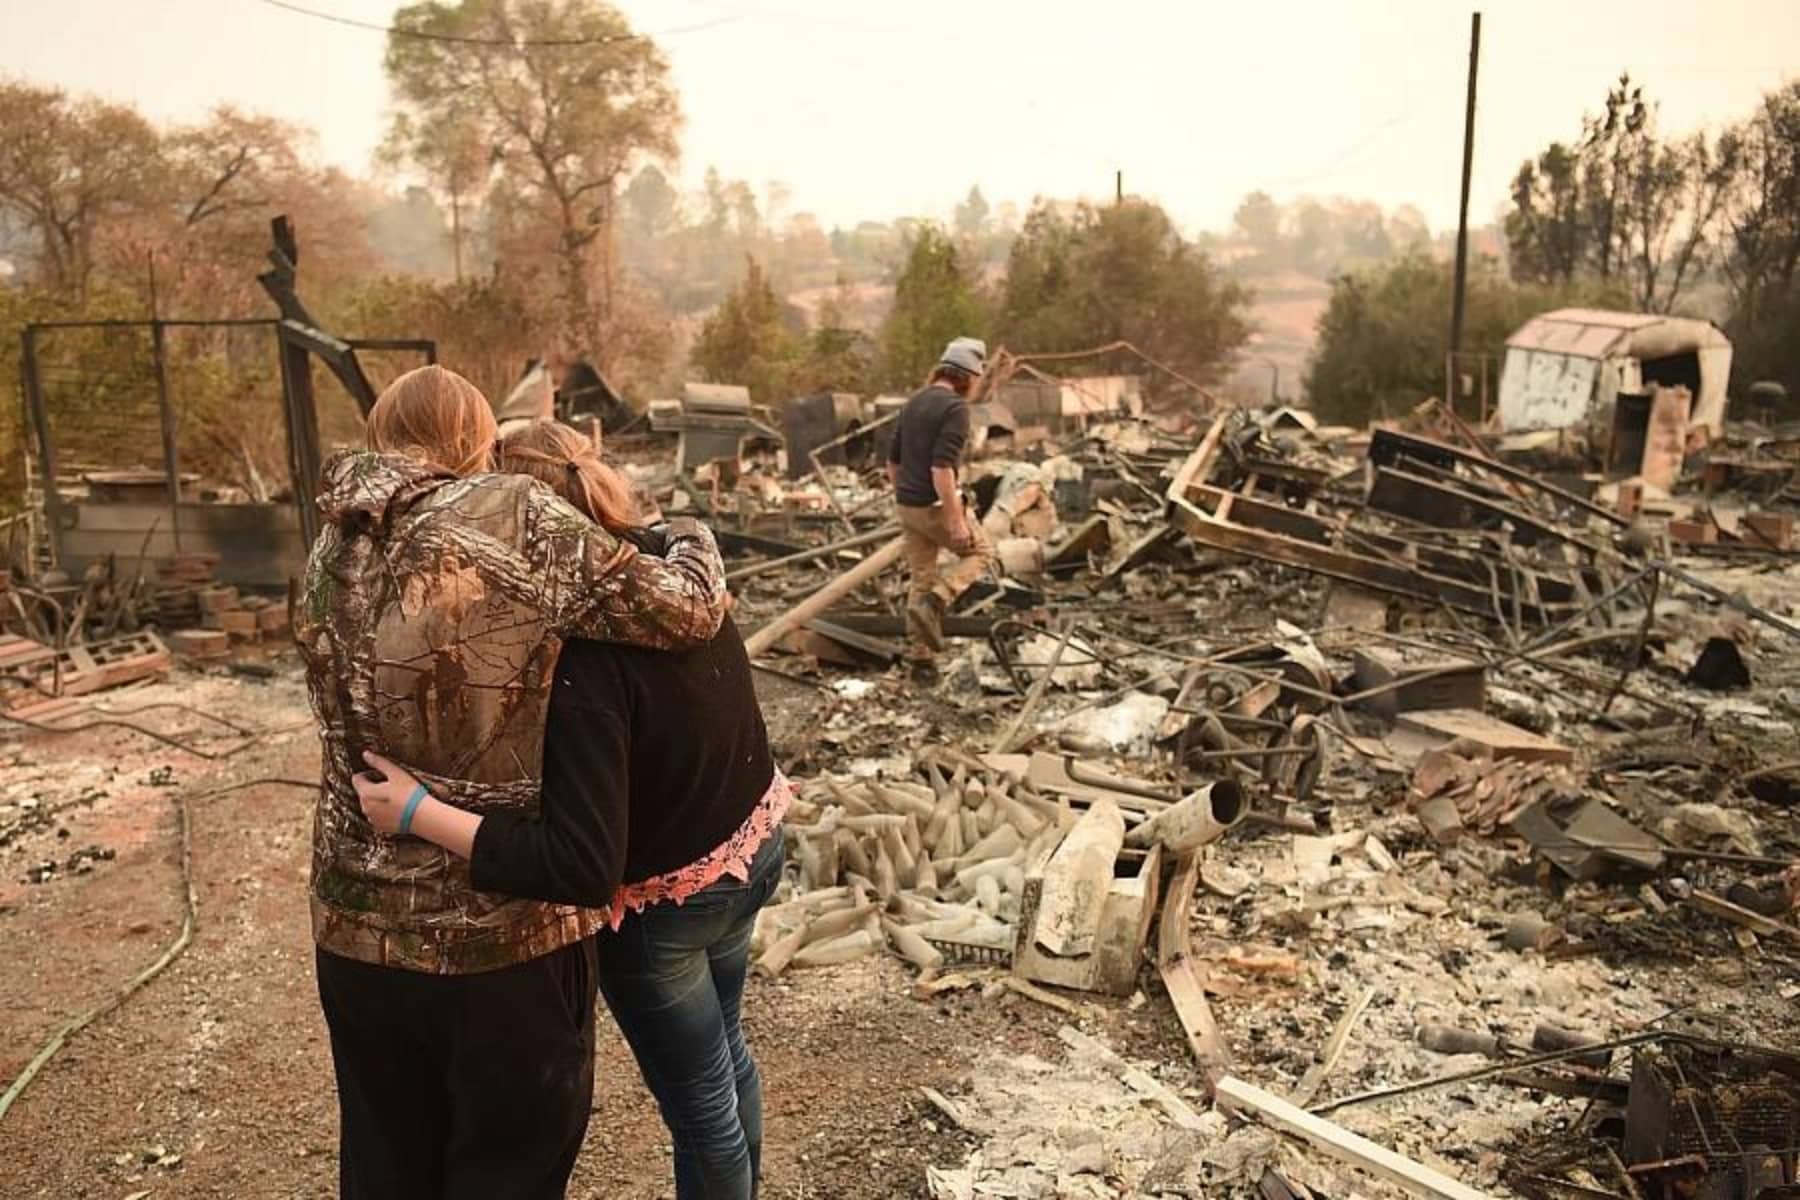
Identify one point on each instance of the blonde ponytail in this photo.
(567, 461)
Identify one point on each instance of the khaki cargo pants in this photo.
(927, 536)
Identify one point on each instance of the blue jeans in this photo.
(673, 976)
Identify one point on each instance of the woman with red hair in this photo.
(432, 611)
(663, 804)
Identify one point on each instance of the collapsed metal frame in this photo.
(1412, 482)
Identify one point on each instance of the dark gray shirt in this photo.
(932, 430)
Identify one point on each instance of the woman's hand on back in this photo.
(386, 791)
(383, 791)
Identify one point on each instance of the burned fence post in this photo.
(302, 430)
(299, 337)
(40, 424)
(166, 415)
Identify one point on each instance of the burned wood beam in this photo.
(1414, 1177)
(1195, 467)
(830, 594)
(1182, 977)
(874, 647)
(733, 542)
(297, 324)
(1728, 599)
(40, 426)
(884, 626)
(791, 555)
(304, 451)
(424, 346)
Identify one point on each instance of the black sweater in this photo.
(931, 432)
(651, 760)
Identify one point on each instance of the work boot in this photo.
(925, 620)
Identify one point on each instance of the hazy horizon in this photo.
(868, 114)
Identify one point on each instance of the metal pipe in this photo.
(1202, 818)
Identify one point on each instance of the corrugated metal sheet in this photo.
(1542, 389)
(1597, 333)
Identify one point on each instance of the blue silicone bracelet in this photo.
(412, 806)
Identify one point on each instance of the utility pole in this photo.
(1119, 187)
(1462, 220)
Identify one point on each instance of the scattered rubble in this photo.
(1434, 789)
(1448, 683)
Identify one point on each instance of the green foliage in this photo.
(650, 204)
(972, 214)
(68, 165)
(410, 230)
(476, 323)
(1546, 234)
(1765, 344)
(752, 339)
(835, 357)
(1382, 338)
(747, 341)
(1120, 273)
(98, 386)
(1760, 233)
(935, 299)
(1258, 221)
(1622, 203)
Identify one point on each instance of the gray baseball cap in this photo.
(966, 354)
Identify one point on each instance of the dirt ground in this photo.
(215, 1079)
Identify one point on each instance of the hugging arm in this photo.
(596, 586)
(572, 853)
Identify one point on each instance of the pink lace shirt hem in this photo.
(731, 857)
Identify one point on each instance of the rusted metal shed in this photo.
(1565, 368)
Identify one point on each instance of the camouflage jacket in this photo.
(430, 618)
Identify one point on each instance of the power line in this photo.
(463, 40)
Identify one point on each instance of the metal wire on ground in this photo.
(109, 720)
(190, 916)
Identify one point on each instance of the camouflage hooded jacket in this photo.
(430, 619)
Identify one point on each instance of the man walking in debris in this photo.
(928, 447)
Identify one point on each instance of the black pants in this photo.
(454, 1086)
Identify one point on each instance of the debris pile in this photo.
(1455, 710)
(1460, 775)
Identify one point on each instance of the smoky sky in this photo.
(875, 110)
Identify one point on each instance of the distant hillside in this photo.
(1286, 314)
